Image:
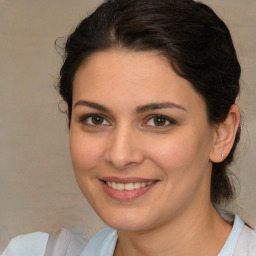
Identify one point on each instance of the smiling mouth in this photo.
(126, 189)
(127, 186)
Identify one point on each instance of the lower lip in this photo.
(126, 195)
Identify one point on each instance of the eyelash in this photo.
(84, 119)
(164, 118)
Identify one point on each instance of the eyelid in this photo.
(83, 118)
(170, 120)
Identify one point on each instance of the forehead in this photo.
(121, 62)
(129, 76)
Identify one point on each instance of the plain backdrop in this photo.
(38, 191)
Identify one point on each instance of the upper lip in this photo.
(127, 180)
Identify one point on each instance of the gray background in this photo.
(38, 191)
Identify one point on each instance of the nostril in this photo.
(123, 163)
(123, 151)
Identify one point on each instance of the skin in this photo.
(114, 133)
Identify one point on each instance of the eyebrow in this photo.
(154, 106)
(92, 105)
(139, 109)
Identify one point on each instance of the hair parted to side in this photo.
(194, 40)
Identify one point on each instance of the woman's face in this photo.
(139, 140)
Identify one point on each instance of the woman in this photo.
(151, 87)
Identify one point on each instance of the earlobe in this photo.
(225, 135)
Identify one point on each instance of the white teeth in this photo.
(128, 186)
(119, 186)
(137, 185)
(143, 184)
(114, 185)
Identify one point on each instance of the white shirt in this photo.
(32, 244)
(241, 242)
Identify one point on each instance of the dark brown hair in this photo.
(194, 40)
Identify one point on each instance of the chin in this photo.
(127, 220)
(131, 226)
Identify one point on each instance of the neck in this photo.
(202, 233)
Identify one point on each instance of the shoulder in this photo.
(66, 242)
(30, 245)
(246, 244)
(102, 244)
(241, 240)
(62, 242)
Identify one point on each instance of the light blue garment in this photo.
(32, 244)
(104, 242)
(241, 242)
(230, 245)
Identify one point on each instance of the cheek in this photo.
(184, 163)
(182, 152)
(85, 152)
(173, 151)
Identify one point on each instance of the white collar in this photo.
(104, 242)
(230, 245)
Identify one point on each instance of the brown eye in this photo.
(97, 120)
(160, 121)
(94, 119)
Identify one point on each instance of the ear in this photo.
(225, 135)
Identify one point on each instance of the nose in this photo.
(124, 148)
